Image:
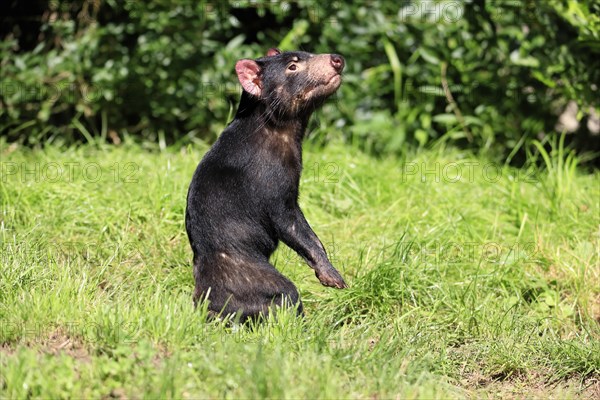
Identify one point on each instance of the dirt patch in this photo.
(6, 350)
(59, 342)
(117, 393)
(162, 353)
(593, 387)
(56, 342)
(531, 385)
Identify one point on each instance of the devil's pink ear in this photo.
(273, 52)
(248, 73)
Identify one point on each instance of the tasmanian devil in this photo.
(243, 198)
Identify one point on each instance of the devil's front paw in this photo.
(330, 277)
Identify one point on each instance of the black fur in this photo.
(243, 198)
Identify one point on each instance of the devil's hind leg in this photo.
(247, 288)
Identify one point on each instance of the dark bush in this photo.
(486, 74)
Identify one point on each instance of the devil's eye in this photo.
(292, 67)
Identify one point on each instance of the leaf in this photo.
(528, 61)
(432, 90)
(428, 56)
(545, 80)
(471, 120)
(392, 55)
(292, 39)
(421, 137)
(235, 42)
(448, 119)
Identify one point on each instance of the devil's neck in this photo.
(255, 114)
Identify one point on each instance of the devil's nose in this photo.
(337, 62)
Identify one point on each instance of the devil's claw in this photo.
(331, 278)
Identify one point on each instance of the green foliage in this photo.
(485, 74)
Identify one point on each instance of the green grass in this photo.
(467, 279)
